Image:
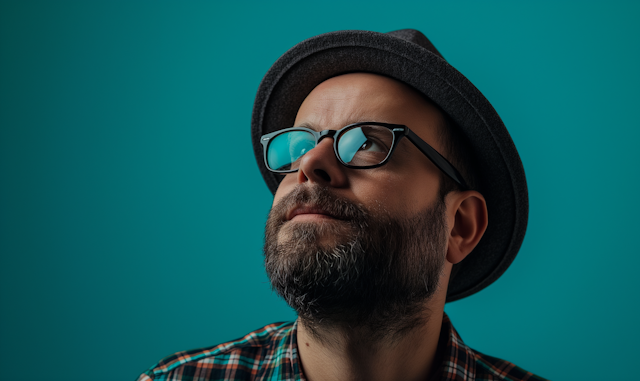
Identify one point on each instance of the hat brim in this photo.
(294, 75)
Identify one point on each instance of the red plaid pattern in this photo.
(271, 353)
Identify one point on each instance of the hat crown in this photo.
(417, 38)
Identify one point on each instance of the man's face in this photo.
(407, 183)
(348, 244)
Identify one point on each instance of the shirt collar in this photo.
(456, 361)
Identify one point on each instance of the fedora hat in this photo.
(409, 57)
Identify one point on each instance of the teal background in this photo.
(132, 210)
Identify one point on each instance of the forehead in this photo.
(365, 97)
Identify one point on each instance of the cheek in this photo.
(398, 192)
(382, 191)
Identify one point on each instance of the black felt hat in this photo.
(409, 57)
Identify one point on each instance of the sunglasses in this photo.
(359, 146)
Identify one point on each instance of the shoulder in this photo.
(464, 363)
(236, 359)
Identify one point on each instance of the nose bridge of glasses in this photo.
(325, 134)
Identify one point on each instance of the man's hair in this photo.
(457, 149)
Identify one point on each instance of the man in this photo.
(387, 165)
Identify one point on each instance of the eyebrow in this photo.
(308, 125)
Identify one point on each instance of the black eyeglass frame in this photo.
(399, 131)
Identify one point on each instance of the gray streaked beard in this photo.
(376, 273)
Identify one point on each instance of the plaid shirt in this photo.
(271, 353)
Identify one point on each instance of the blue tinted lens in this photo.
(350, 143)
(365, 146)
(285, 149)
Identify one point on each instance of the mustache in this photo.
(318, 197)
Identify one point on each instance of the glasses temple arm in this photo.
(437, 159)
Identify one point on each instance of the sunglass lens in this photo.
(364, 146)
(286, 149)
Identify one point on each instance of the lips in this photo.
(309, 210)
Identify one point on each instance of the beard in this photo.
(360, 270)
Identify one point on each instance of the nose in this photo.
(321, 166)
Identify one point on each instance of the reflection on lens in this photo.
(285, 149)
(349, 144)
(365, 146)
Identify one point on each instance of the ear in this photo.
(468, 219)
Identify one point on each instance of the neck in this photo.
(344, 352)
